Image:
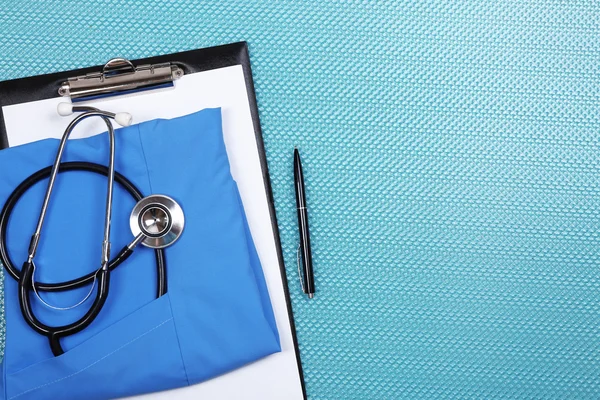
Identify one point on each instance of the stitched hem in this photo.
(92, 364)
(179, 343)
(145, 159)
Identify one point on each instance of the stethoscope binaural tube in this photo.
(87, 112)
(103, 273)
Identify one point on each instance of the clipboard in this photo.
(277, 376)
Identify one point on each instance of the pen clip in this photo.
(300, 275)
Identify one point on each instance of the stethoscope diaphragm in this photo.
(159, 219)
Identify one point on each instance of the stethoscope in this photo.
(156, 221)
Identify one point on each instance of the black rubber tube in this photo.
(23, 276)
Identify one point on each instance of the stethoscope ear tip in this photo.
(123, 118)
(64, 109)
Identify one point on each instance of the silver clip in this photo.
(117, 76)
(299, 274)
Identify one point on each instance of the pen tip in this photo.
(311, 295)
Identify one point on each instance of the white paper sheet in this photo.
(275, 377)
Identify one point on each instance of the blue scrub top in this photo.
(216, 316)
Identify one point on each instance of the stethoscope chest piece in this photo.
(159, 219)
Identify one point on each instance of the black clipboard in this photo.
(42, 87)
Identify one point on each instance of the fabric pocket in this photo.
(138, 354)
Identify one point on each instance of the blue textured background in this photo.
(451, 155)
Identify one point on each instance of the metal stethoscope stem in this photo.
(87, 112)
(103, 274)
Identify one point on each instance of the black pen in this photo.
(309, 280)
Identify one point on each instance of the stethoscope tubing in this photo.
(23, 276)
(101, 276)
(38, 176)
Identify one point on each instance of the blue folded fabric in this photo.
(216, 316)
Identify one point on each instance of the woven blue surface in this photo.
(451, 156)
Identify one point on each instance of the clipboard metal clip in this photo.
(119, 76)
